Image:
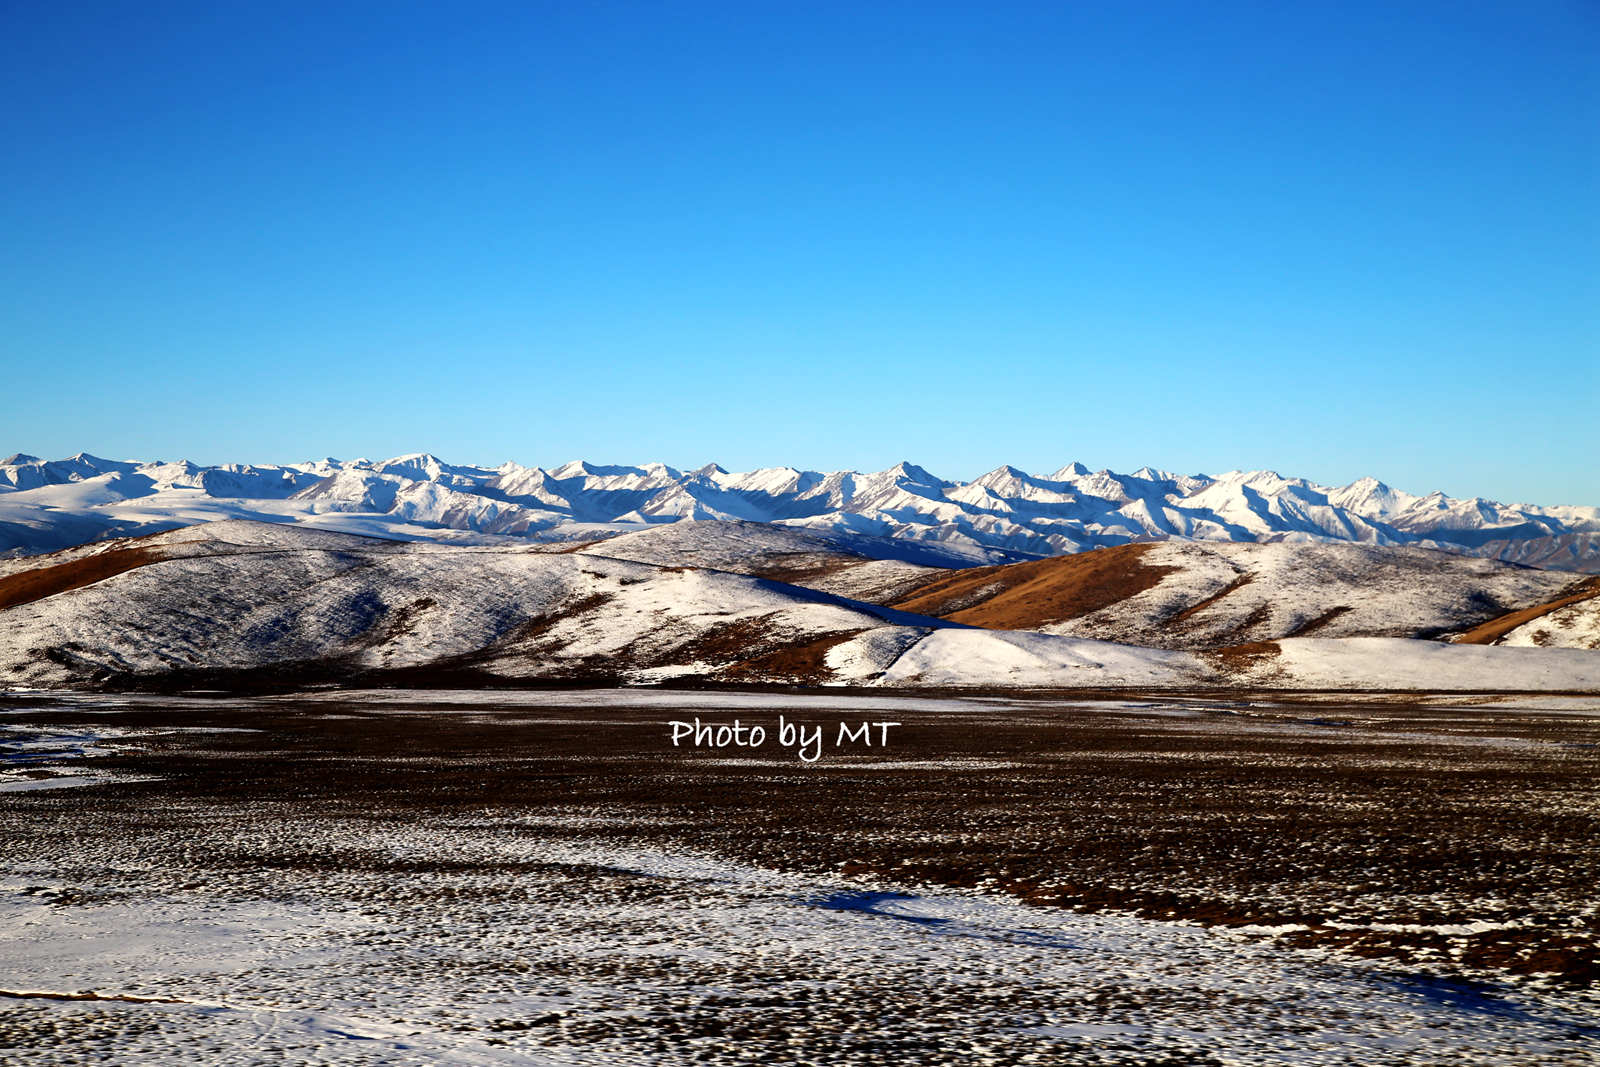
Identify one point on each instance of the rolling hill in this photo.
(1209, 595)
(243, 603)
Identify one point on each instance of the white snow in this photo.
(278, 967)
(51, 505)
(1339, 589)
(1020, 659)
(1576, 625)
(1395, 663)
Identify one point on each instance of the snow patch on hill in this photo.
(1573, 626)
(1219, 593)
(1396, 663)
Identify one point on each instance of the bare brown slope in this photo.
(1493, 630)
(28, 586)
(1022, 596)
(800, 568)
(1200, 605)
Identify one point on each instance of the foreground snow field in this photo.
(539, 878)
(602, 955)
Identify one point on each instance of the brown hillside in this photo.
(1023, 596)
(28, 586)
(1493, 630)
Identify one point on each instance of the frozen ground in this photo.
(474, 878)
(600, 955)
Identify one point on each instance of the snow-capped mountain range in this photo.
(1005, 514)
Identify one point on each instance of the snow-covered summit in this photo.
(50, 504)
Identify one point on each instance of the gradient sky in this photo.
(1331, 239)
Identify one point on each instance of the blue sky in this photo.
(1332, 239)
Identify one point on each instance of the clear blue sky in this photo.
(1328, 238)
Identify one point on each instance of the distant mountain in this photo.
(1005, 514)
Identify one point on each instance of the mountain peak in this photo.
(17, 459)
(1001, 476)
(913, 473)
(576, 468)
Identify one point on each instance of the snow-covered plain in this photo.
(32, 758)
(47, 505)
(237, 930)
(598, 945)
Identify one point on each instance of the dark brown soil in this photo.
(802, 568)
(1334, 816)
(803, 663)
(1025, 596)
(1320, 622)
(1197, 607)
(1239, 660)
